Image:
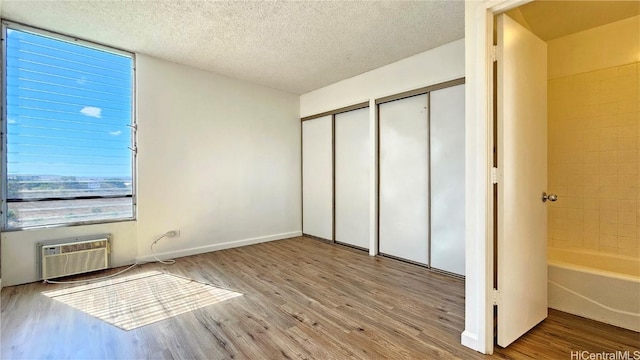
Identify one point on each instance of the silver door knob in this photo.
(550, 197)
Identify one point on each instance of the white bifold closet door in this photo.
(447, 179)
(317, 177)
(352, 168)
(404, 175)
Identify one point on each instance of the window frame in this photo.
(6, 24)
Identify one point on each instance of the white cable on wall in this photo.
(165, 262)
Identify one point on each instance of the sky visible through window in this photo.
(68, 118)
(68, 108)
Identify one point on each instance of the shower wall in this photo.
(594, 131)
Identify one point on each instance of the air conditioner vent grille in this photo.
(73, 256)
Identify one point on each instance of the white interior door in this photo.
(352, 177)
(404, 175)
(447, 178)
(522, 170)
(317, 177)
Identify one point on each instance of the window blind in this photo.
(69, 138)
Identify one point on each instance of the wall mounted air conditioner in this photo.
(64, 257)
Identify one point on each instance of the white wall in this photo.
(219, 159)
(431, 67)
(19, 248)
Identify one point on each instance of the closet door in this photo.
(352, 177)
(447, 179)
(317, 177)
(404, 174)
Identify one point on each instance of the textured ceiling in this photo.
(293, 46)
(553, 19)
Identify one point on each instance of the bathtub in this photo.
(597, 286)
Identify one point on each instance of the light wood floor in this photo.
(303, 298)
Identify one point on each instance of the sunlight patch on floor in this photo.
(141, 299)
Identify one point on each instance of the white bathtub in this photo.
(596, 286)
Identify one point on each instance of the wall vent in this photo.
(58, 258)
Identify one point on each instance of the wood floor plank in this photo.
(302, 299)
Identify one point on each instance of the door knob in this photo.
(550, 197)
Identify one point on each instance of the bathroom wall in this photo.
(593, 124)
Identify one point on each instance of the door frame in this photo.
(479, 207)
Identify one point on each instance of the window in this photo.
(68, 145)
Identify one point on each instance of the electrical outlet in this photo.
(173, 233)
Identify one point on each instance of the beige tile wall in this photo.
(594, 163)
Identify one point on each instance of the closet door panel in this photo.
(404, 174)
(317, 177)
(447, 179)
(352, 177)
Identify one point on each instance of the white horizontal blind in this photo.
(69, 143)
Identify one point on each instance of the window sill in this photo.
(84, 223)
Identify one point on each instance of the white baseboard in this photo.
(216, 247)
(470, 340)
